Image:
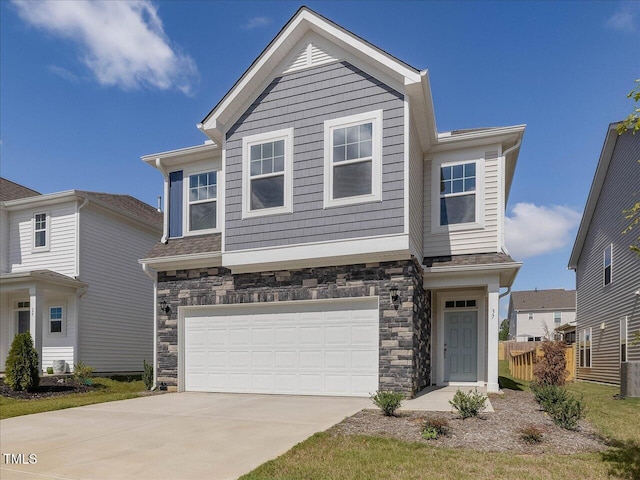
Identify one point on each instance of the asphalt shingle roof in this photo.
(470, 259)
(12, 191)
(187, 246)
(127, 204)
(543, 299)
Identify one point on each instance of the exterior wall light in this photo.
(393, 295)
(164, 307)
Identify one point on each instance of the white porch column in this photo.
(493, 322)
(36, 303)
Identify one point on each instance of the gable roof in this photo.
(543, 300)
(11, 190)
(126, 204)
(594, 193)
(303, 21)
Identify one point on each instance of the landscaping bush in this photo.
(469, 404)
(531, 434)
(82, 373)
(21, 367)
(432, 428)
(387, 401)
(551, 368)
(147, 374)
(567, 414)
(549, 395)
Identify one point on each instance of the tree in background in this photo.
(504, 330)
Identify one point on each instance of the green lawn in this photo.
(107, 390)
(324, 456)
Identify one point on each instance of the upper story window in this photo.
(530, 316)
(56, 320)
(202, 203)
(267, 173)
(608, 261)
(41, 231)
(557, 318)
(353, 159)
(458, 194)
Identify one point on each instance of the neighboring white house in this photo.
(535, 314)
(327, 239)
(70, 276)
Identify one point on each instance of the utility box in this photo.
(630, 379)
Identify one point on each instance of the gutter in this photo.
(165, 217)
(152, 274)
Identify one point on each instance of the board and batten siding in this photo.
(116, 312)
(597, 303)
(416, 191)
(303, 100)
(472, 240)
(61, 254)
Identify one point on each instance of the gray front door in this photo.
(461, 346)
(23, 321)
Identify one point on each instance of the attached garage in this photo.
(305, 348)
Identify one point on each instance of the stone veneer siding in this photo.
(405, 329)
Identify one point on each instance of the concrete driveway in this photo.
(173, 436)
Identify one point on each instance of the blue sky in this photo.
(86, 89)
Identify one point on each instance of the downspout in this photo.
(76, 346)
(165, 223)
(505, 293)
(152, 274)
(504, 156)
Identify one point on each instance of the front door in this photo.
(461, 346)
(23, 321)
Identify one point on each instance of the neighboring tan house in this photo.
(534, 315)
(607, 270)
(70, 276)
(326, 239)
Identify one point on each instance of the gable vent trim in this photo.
(309, 56)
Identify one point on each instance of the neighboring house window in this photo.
(40, 231)
(203, 194)
(267, 177)
(458, 194)
(623, 338)
(585, 348)
(55, 320)
(570, 338)
(531, 316)
(608, 260)
(353, 159)
(557, 318)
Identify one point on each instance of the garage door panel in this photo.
(311, 348)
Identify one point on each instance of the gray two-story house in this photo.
(326, 239)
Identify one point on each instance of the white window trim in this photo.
(186, 176)
(604, 268)
(286, 135)
(63, 332)
(582, 346)
(375, 118)
(47, 230)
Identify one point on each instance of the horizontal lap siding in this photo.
(61, 255)
(416, 190)
(598, 303)
(4, 240)
(304, 100)
(116, 313)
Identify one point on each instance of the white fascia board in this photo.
(7, 279)
(183, 155)
(356, 250)
(422, 111)
(467, 275)
(41, 200)
(214, 124)
(195, 260)
(594, 194)
(446, 141)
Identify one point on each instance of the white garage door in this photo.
(304, 348)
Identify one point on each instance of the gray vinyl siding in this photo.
(598, 303)
(116, 312)
(416, 191)
(304, 100)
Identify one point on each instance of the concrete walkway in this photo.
(436, 399)
(174, 436)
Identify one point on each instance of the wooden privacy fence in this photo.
(521, 363)
(505, 348)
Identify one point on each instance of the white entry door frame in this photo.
(474, 302)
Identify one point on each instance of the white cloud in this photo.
(624, 19)
(122, 43)
(63, 73)
(256, 22)
(532, 230)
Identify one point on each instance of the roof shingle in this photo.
(12, 191)
(187, 246)
(543, 299)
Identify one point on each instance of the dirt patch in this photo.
(497, 432)
(48, 387)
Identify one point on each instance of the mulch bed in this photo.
(495, 432)
(49, 387)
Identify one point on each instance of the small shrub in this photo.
(469, 404)
(551, 368)
(549, 395)
(21, 367)
(432, 428)
(147, 374)
(387, 401)
(82, 373)
(567, 414)
(531, 434)
(50, 370)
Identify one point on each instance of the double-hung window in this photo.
(608, 261)
(267, 173)
(203, 194)
(41, 231)
(458, 193)
(557, 318)
(56, 320)
(353, 165)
